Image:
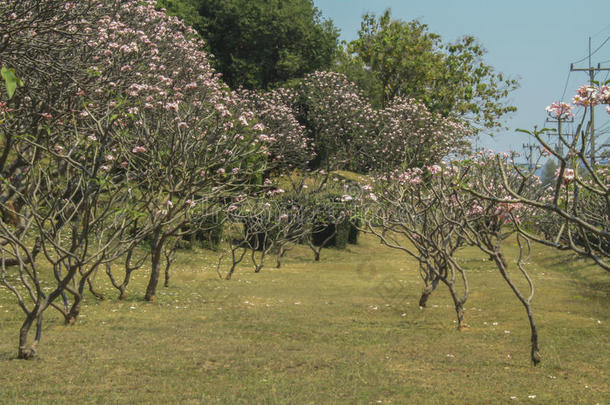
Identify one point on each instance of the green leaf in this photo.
(11, 81)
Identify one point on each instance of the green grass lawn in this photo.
(344, 330)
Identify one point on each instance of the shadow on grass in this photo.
(591, 279)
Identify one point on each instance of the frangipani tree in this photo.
(426, 213)
(109, 139)
(289, 147)
(578, 200)
(410, 135)
(75, 215)
(335, 115)
(186, 146)
(274, 221)
(492, 222)
(417, 212)
(58, 199)
(349, 134)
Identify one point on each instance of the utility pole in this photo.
(476, 147)
(591, 71)
(559, 134)
(530, 156)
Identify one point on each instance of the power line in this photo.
(592, 53)
(600, 31)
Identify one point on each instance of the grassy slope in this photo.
(344, 330)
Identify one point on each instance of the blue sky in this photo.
(534, 41)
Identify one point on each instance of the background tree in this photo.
(186, 10)
(548, 172)
(349, 134)
(354, 68)
(449, 78)
(259, 43)
(288, 146)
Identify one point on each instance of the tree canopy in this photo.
(261, 43)
(405, 59)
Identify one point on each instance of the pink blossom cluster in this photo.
(559, 110)
(567, 176)
(358, 137)
(136, 85)
(590, 96)
(586, 96)
(287, 143)
(409, 176)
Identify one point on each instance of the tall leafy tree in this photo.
(354, 68)
(261, 43)
(186, 10)
(407, 60)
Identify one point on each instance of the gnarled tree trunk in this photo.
(156, 251)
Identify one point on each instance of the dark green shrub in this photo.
(208, 234)
(353, 231)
